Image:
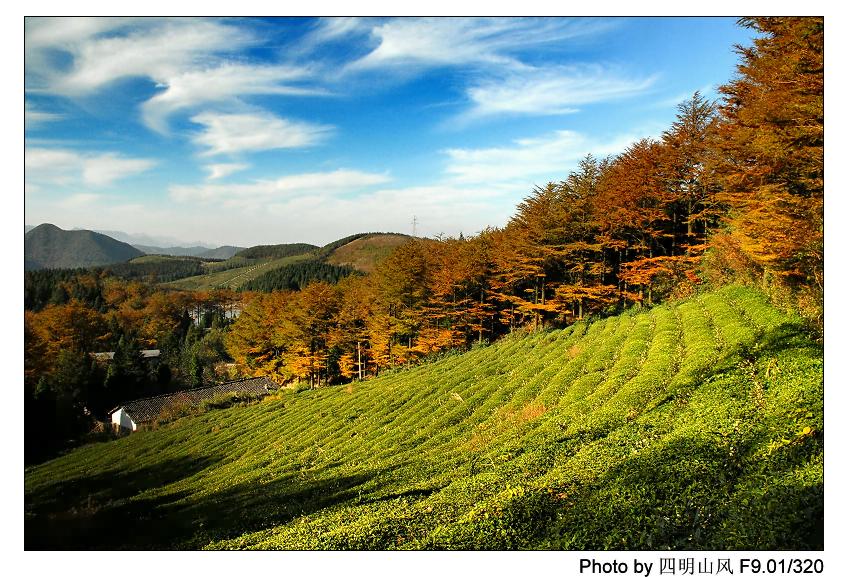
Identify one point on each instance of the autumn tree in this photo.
(349, 334)
(250, 339)
(402, 291)
(633, 206)
(690, 164)
(528, 257)
(772, 137)
(305, 329)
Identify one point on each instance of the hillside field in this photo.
(691, 425)
(364, 253)
(233, 278)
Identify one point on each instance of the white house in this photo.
(122, 419)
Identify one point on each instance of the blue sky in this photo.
(258, 131)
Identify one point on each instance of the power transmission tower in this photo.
(414, 225)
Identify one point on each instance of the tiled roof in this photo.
(148, 409)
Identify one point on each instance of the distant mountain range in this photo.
(222, 252)
(48, 246)
(137, 239)
(144, 243)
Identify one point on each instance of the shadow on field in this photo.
(106, 512)
(694, 493)
(96, 511)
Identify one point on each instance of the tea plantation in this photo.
(695, 425)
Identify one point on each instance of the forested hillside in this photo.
(275, 250)
(297, 276)
(48, 246)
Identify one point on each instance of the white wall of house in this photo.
(122, 419)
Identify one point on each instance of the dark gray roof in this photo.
(146, 353)
(148, 409)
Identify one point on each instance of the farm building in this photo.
(133, 413)
(150, 357)
(146, 354)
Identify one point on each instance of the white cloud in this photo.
(107, 168)
(34, 117)
(63, 167)
(480, 188)
(191, 59)
(80, 200)
(49, 164)
(58, 32)
(438, 208)
(322, 216)
(232, 133)
(155, 49)
(543, 91)
(227, 82)
(328, 29)
(257, 194)
(221, 170)
(426, 42)
(527, 160)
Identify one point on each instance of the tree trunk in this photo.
(482, 320)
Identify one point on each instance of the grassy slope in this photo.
(158, 258)
(234, 277)
(364, 253)
(698, 425)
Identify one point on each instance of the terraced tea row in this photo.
(695, 425)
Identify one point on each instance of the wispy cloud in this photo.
(529, 159)
(233, 133)
(330, 29)
(63, 167)
(429, 42)
(224, 83)
(56, 166)
(80, 200)
(192, 60)
(107, 168)
(105, 50)
(34, 117)
(258, 193)
(225, 169)
(551, 91)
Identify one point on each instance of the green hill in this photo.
(692, 426)
(221, 252)
(48, 246)
(264, 263)
(363, 252)
(276, 250)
